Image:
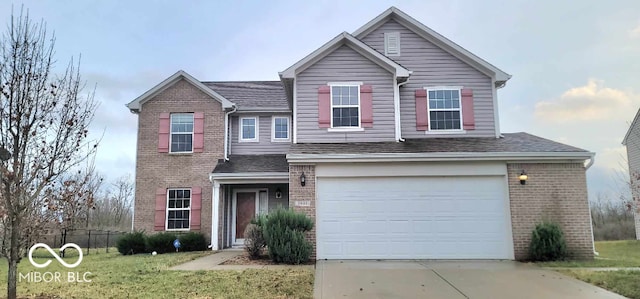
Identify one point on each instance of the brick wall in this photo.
(308, 192)
(555, 192)
(162, 170)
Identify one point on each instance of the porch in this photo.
(244, 187)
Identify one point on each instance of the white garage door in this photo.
(413, 218)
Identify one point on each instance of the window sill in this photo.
(177, 230)
(281, 140)
(345, 129)
(247, 140)
(181, 153)
(446, 132)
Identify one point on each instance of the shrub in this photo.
(547, 243)
(161, 243)
(284, 234)
(254, 240)
(131, 243)
(193, 242)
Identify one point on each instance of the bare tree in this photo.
(113, 209)
(72, 199)
(43, 132)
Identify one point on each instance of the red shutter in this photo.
(324, 106)
(468, 119)
(366, 105)
(198, 132)
(422, 116)
(196, 207)
(161, 204)
(163, 133)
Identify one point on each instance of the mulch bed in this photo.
(264, 259)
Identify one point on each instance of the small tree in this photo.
(44, 124)
(547, 243)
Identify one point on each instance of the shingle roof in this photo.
(253, 163)
(512, 142)
(252, 94)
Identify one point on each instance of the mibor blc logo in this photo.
(36, 276)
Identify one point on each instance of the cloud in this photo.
(591, 102)
(594, 117)
(635, 32)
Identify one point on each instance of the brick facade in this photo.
(162, 170)
(555, 192)
(304, 193)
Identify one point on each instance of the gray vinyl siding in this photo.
(264, 144)
(433, 66)
(633, 158)
(344, 64)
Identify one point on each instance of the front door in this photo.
(245, 211)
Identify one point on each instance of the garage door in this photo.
(413, 218)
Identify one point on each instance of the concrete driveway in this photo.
(447, 279)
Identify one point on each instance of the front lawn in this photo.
(620, 254)
(625, 283)
(612, 254)
(145, 276)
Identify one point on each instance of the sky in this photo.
(575, 64)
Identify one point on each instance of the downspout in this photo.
(227, 134)
(593, 240)
(396, 100)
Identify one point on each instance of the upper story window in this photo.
(280, 129)
(392, 43)
(178, 209)
(444, 109)
(248, 129)
(181, 133)
(345, 106)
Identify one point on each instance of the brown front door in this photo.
(245, 211)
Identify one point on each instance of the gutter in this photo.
(440, 156)
(396, 104)
(227, 135)
(593, 239)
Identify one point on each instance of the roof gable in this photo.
(434, 37)
(135, 106)
(633, 124)
(358, 46)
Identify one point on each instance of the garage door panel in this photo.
(413, 217)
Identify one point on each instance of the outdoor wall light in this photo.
(278, 193)
(523, 177)
(303, 180)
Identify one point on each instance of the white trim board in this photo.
(436, 38)
(135, 106)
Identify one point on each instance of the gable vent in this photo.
(392, 43)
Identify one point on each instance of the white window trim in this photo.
(436, 132)
(240, 129)
(273, 129)
(183, 133)
(345, 129)
(166, 216)
(386, 43)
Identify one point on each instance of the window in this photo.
(444, 109)
(392, 44)
(249, 129)
(280, 129)
(178, 209)
(345, 106)
(181, 133)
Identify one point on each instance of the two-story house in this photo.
(387, 137)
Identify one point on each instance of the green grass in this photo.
(619, 254)
(145, 276)
(612, 254)
(625, 283)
